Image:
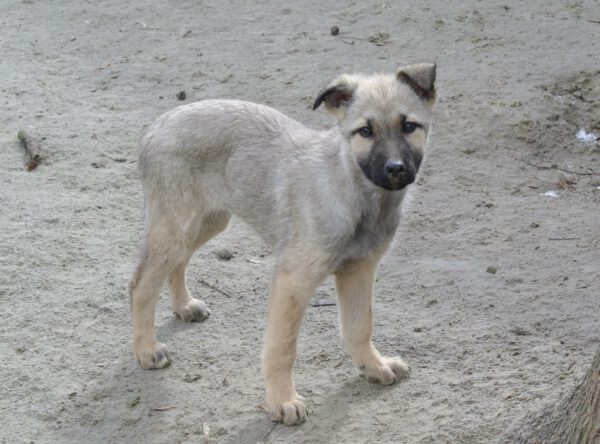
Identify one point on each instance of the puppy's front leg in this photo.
(290, 295)
(355, 296)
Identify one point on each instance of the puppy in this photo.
(327, 202)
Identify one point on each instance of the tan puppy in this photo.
(327, 202)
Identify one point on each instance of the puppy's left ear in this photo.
(421, 79)
(337, 96)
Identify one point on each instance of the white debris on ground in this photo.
(584, 136)
(550, 194)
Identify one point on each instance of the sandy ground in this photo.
(517, 80)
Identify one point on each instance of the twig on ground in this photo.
(164, 409)
(552, 167)
(32, 148)
(347, 39)
(344, 36)
(322, 304)
(269, 431)
(212, 287)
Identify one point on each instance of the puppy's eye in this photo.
(409, 127)
(365, 132)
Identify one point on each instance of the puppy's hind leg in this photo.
(157, 259)
(355, 296)
(184, 306)
(172, 235)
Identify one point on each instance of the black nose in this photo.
(394, 168)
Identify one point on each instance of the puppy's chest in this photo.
(371, 233)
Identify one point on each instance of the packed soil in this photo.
(489, 291)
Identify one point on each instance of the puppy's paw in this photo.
(290, 412)
(387, 371)
(194, 311)
(154, 357)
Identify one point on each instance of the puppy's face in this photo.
(385, 120)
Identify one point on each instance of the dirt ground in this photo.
(490, 290)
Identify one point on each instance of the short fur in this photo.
(328, 202)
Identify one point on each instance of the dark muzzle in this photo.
(397, 175)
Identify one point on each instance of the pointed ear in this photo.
(420, 77)
(337, 96)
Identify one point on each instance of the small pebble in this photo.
(181, 95)
(224, 254)
(191, 378)
(491, 269)
(335, 30)
(520, 331)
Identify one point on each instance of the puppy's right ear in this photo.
(337, 96)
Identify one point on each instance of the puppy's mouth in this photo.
(397, 183)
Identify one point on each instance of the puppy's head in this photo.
(385, 120)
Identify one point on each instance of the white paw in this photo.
(153, 357)
(387, 371)
(194, 311)
(290, 412)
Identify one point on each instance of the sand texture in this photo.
(489, 291)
